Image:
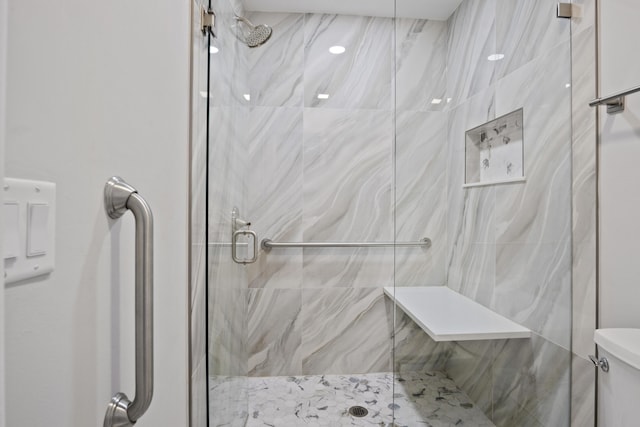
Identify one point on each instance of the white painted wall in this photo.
(96, 89)
(3, 51)
(619, 168)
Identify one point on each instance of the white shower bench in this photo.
(446, 315)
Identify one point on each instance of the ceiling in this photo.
(438, 10)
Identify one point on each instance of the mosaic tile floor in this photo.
(426, 399)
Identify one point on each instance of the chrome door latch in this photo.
(237, 231)
(603, 363)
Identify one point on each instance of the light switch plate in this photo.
(11, 234)
(35, 231)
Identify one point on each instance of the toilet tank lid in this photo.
(623, 343)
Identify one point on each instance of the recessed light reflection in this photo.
(204, 94)
(337, 50)
(568, 85)
(496, 57)
(436, 101)
(247, 96)
(213, 49)
(323, 96)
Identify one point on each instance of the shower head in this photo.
(258, 34)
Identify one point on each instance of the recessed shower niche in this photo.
(494, 151)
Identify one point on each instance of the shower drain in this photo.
(358, 411)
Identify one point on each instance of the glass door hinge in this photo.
(207, 21)
(568, 10)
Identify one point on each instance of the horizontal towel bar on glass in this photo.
(226, 244)
(268, 244)
(615, 103)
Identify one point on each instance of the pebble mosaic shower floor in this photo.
(425, 399)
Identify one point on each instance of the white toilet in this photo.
(619, 388)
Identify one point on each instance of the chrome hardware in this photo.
(116, 195)
(268, 244)
(603, 363)
(566, 10)
(234, 246)
(117, 412)
(616, 106)
(236, 231)
(615, 103)
(207, 21)
(236, 222)
(118, 198)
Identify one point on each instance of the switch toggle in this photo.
(37, 233)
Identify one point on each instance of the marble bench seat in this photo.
(449, 316)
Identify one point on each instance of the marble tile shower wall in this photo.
(323, 170)
(509, 246)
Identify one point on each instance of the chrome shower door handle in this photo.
(118, 198)
(234, 246)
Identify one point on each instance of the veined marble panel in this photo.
(414, 350)
(361, 77)
(472, 271)
(584, 135)
(348, 171)
(525, 30)
(421, 196)
(470, 212)
(539, 209)
(584, 312)
(277, 67)
(227, 341)
(345, 331)
(583, 392)
(470, 365)
(471, 113)
(228, 131)
(275, 194)
(584, 154)
(347, 267)
(275, 332)
(472, 38)
(531, 383)
(533, 288)
(229, 66)
(421, 61)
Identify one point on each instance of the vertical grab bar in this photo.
(118, 198)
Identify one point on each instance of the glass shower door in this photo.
(499, 243)
(300, 145)
(350, 127)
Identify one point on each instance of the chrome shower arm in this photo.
(245, 20)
